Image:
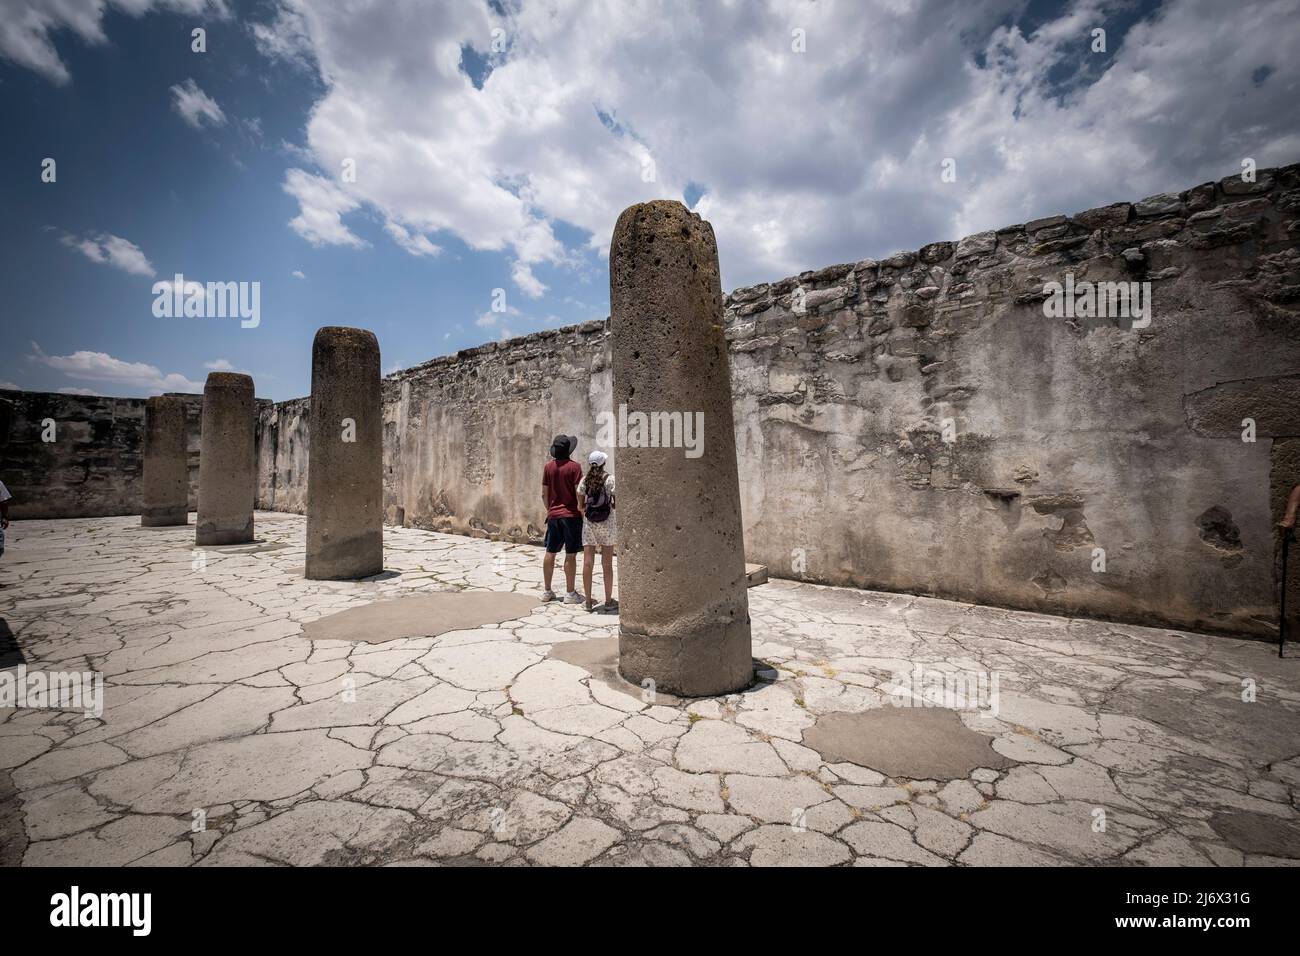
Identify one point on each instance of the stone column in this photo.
(166, 463)
(227, 460)
(345, 465)
(683, 608)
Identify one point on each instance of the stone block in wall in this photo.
(748, 294)
(1272, 403)
(914, 315)
(937, 252)
(1200, 197)
(899, 260)
(1161, 204)
(980, 244)
(830, 274)
(1236, 186)
(1047, 222)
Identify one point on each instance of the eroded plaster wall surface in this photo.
(1066, 438)
(465, 435)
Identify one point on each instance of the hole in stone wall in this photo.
(1220, 532)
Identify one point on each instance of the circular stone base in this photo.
(699, 665)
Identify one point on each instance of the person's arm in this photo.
(582, 501)
(1292, 506)
(4, 513)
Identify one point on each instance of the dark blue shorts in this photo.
(564, 533)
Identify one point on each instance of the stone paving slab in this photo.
(228, 737)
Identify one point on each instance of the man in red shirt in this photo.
(560, 480)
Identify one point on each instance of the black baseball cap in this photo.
(563, 446)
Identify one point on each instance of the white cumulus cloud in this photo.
(322, 203)
(28, 27)
(802, 159)
(798, 159)
(114, 374)
(413, 242)
(108, 249)
(195, 107)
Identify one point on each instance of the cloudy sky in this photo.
(392, 163)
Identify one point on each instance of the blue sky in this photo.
(494, 146)
(209, 203)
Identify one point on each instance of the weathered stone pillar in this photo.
(683, 608)
(227, 460)
(166, 463)
(345, 465)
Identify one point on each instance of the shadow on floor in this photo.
(11, 655)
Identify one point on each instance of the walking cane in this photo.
(1281, 612)
(1288, 527)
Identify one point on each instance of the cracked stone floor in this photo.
(230, 738)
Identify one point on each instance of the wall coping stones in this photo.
(1045, 223)
(1150, 222)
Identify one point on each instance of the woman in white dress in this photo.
(599, 529)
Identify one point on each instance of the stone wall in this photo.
(1063, 436)
(282, 456)
(92, 467)
(913, 424)
(465, 435)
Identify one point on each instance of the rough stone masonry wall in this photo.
(465, 435)
(94, 465)
(1067, 438)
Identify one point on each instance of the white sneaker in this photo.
(573, 597)
(548, 595)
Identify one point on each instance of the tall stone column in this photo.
(227, 460)
(166, 463)
(683, 608)
(345, 465)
